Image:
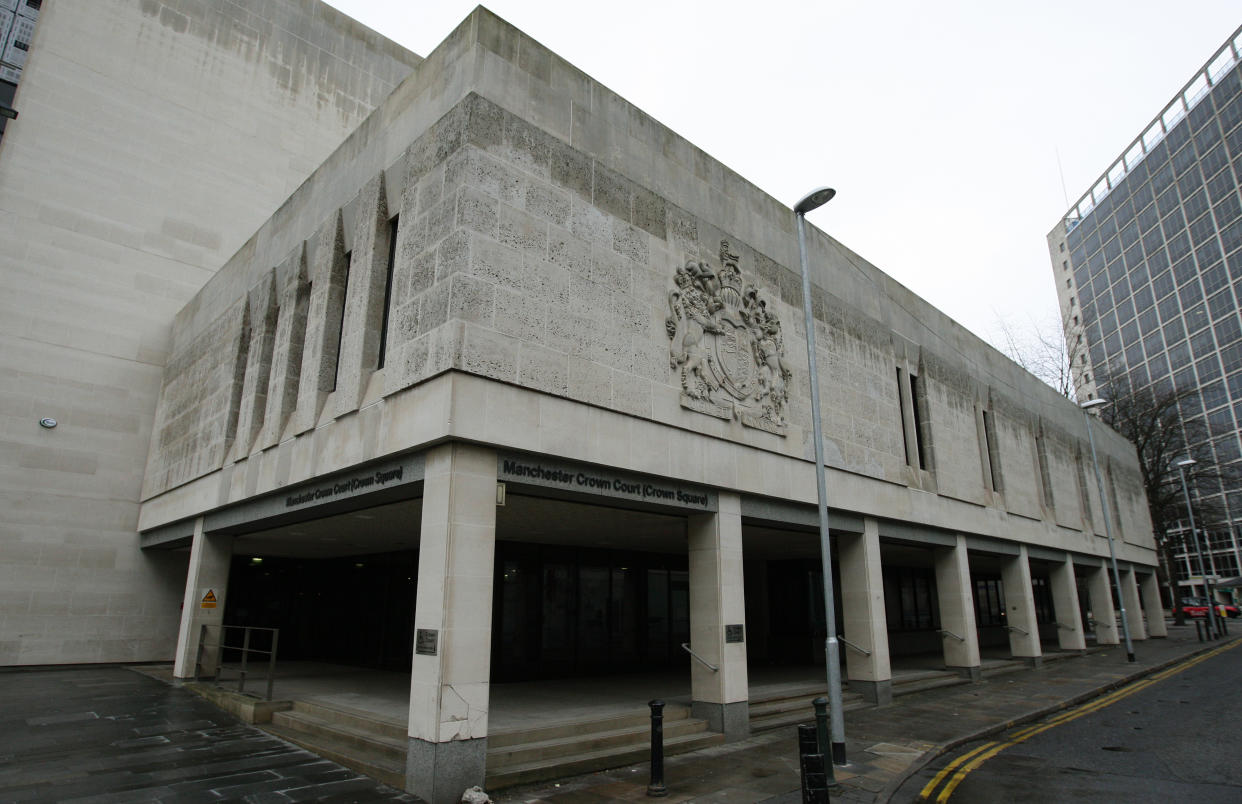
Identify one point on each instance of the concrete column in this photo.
(957, 609)
(718, 619)
(1065, 605)
(205, 584)
(450, 673)
(1102, 609)
(1152, 607)
(1134, 611)
(1020, 608)
(862, 609)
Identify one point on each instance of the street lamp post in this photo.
(1108, 528)
(814, 200)
(1211, 612)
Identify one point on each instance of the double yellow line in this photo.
(957, 770)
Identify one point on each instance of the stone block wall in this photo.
(537, 247)
(154, 137)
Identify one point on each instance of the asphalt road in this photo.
(1170, 737)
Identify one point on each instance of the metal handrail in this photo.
(1019, 629)
(1065, 627)
(858, 648)
(944, 632)
(246, 650)
(686, 647)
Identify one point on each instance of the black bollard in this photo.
(1199, 630)
(821, 732)
(811, 763)
(656, 788)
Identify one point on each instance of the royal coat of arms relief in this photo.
(727, 347)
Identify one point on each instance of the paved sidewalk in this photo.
(884, 745)
(110, 735)
(106, 734)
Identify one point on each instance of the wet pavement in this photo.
(107, 734)
(884, 745)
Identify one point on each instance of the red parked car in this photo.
(1197, 607)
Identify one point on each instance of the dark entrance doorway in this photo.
(562, 611)
(341, 588)
(355, 610)
(586, 589)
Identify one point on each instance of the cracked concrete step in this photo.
(595, 760)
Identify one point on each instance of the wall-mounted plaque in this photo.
(425, 641)
(734, 633)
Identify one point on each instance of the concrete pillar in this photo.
(1065, 606)
(718, 619)
(450, 672)
(957, 609)
(1020, 608)
(1149, 586)
(205, 584)
(862, 610)
(1134, 611)
(1102, 609)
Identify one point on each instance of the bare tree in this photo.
(1040, 349)
(1151, 419)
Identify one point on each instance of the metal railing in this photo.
(221, 646)
(944, 632)
(1017, 628)
(858, 648)
(686, 647)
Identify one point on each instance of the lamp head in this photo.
(1093, 403)
(814, 200)
(1186, 462)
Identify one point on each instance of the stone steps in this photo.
(791, 707)
(373, 747)
(377, 747)
(591, 751)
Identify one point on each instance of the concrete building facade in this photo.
(509, 384)
(1148, 268)
(153, 138)
(514, 386)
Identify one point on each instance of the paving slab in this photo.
(105, 734)
(886, 744)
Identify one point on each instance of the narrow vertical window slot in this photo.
(905, 424)
(989, 437)
(392, 259)
(340, 324)
(916, 405)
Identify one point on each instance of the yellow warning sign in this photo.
(209, 600)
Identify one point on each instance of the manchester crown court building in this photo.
(465, 367)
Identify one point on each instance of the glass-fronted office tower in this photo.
(1148, 266)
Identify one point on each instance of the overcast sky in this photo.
(952, 131)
